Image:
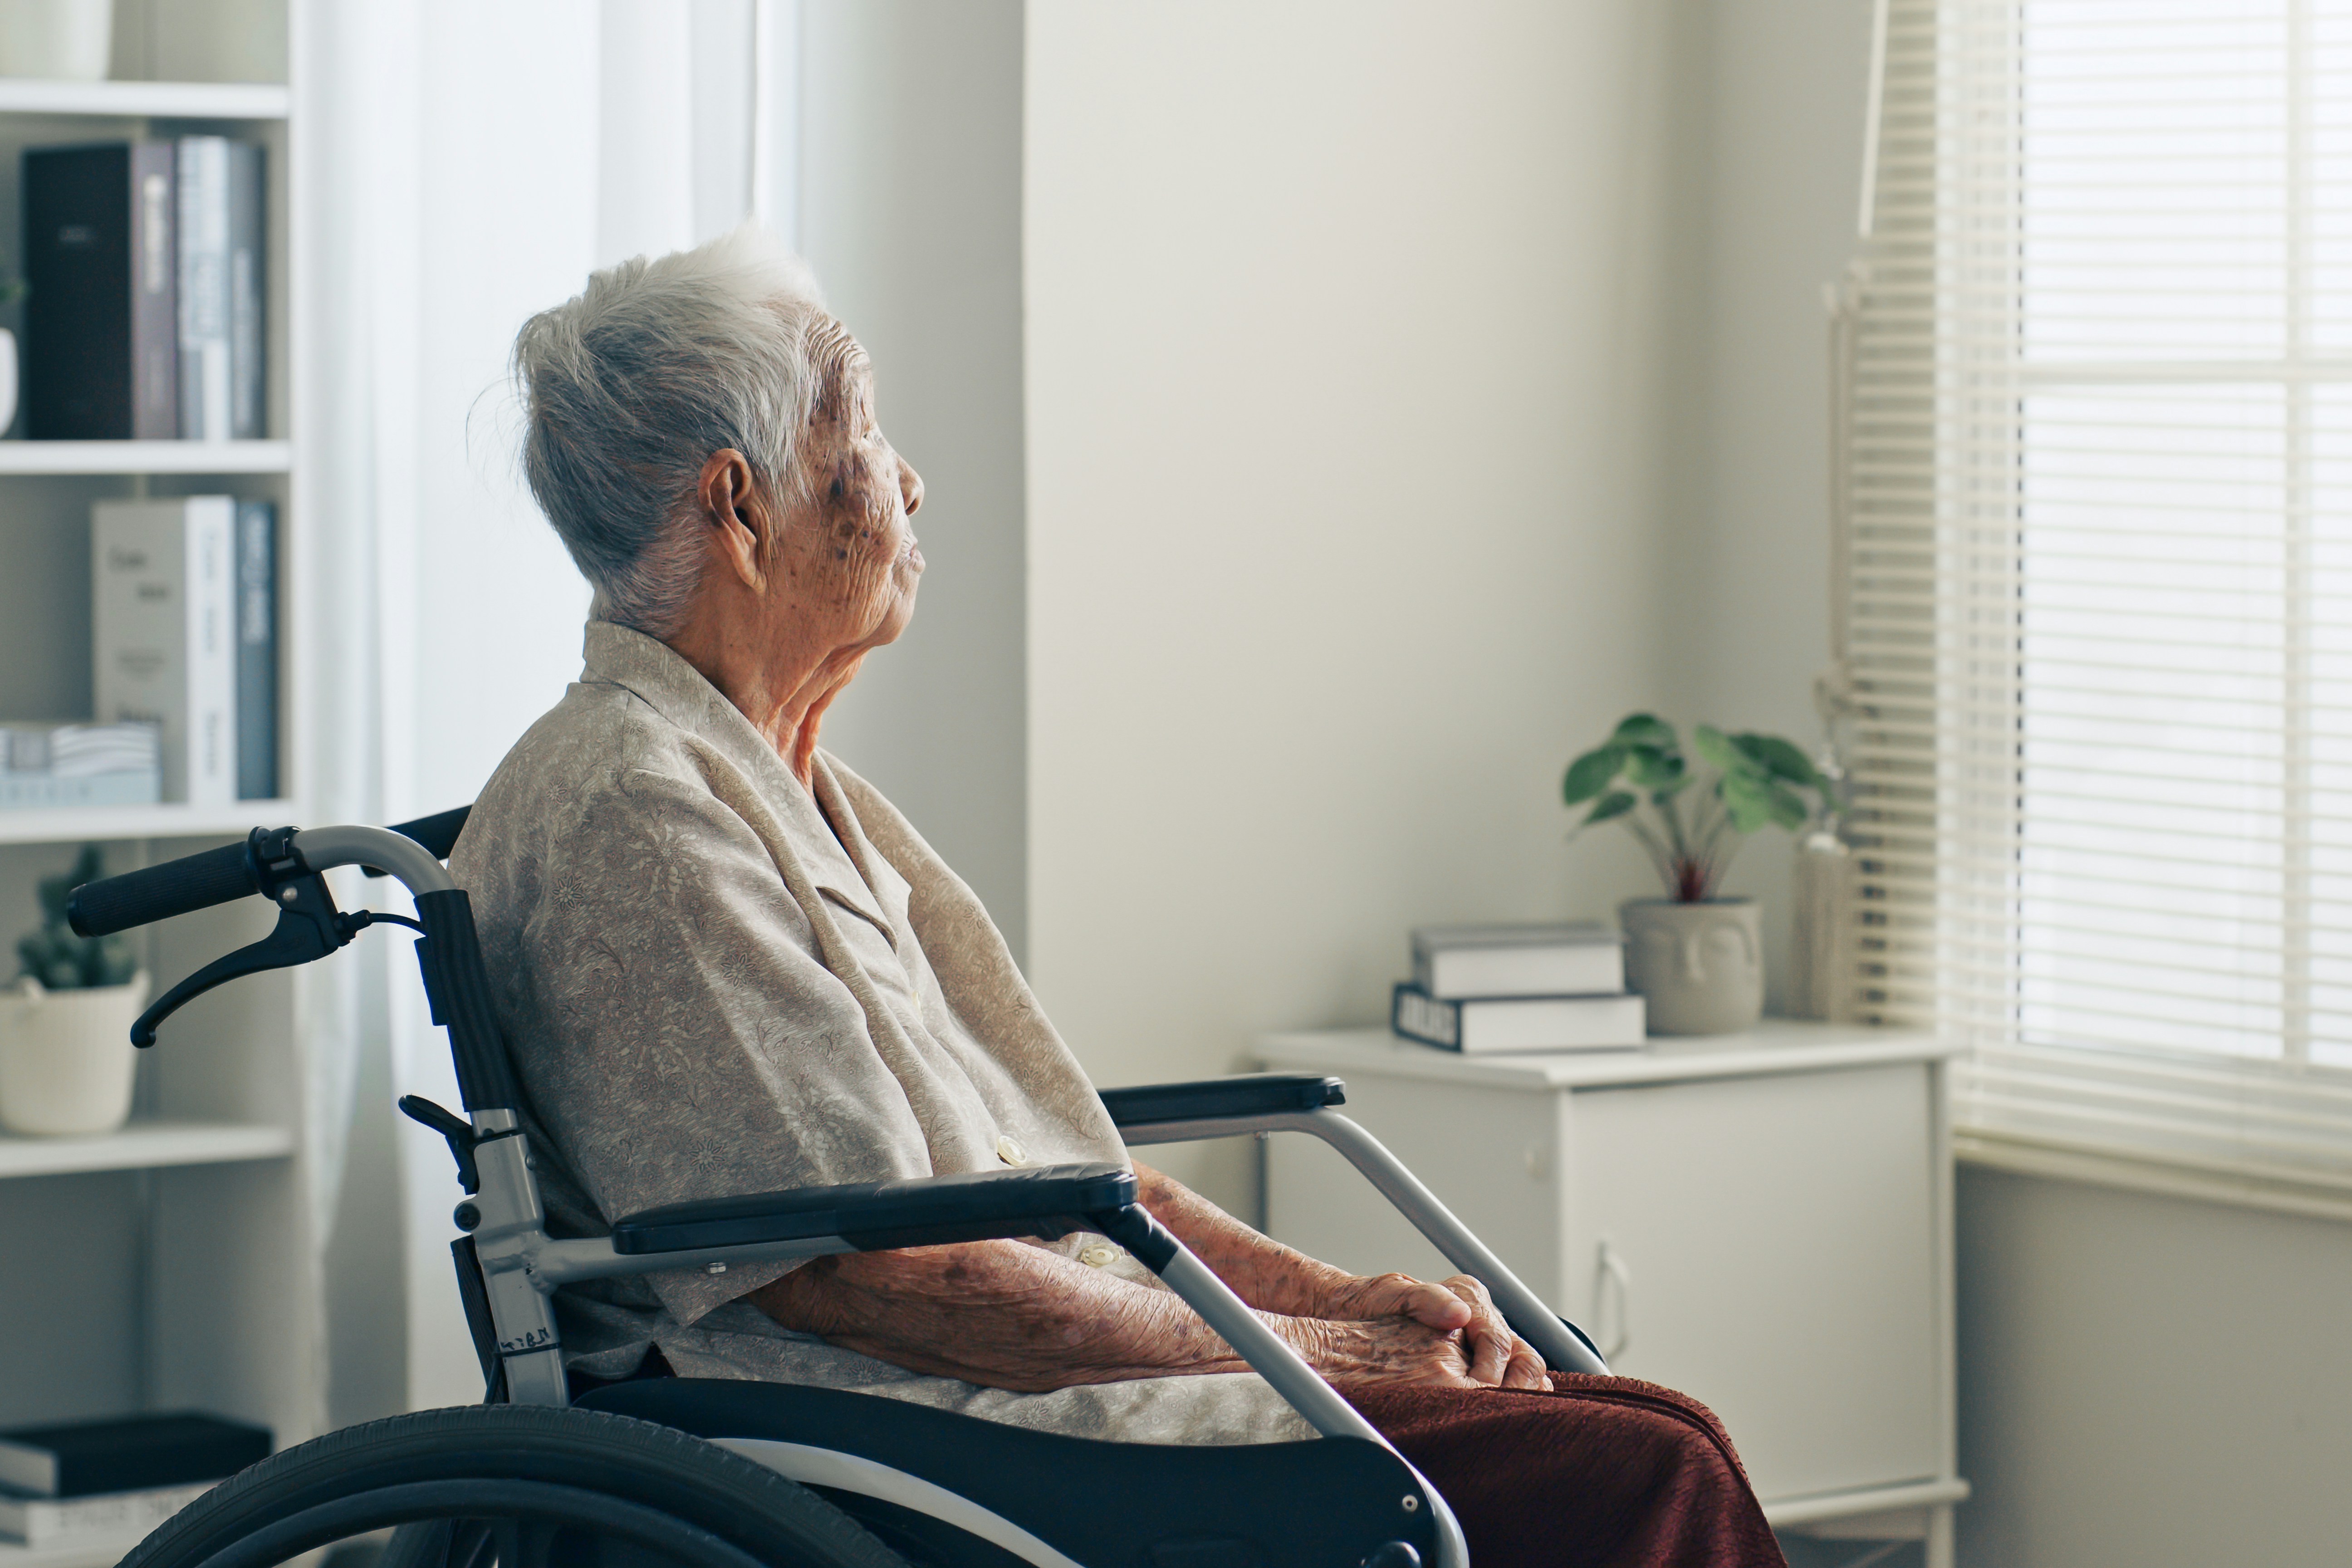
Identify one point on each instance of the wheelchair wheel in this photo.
(519, 1487)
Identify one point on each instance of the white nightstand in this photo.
(1762, 1220)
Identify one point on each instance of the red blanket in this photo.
(1599, 1471)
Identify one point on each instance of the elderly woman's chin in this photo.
(901, 608)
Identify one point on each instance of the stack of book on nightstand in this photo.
(1478, 989)
(104, 1480)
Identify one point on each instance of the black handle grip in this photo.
(175, 888)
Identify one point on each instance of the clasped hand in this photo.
(1394, 1329)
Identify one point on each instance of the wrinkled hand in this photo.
(1497, 1358)
(1393, 1351)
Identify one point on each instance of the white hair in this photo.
(631, 386)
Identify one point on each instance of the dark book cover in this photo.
(256, 650)
(83, 1459)
(248, 295)
(100, 319)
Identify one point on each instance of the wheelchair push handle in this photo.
(178, 886)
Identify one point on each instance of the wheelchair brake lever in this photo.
(308, 928)
(454, 1129)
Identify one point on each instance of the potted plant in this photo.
(1695, 957)
(65, 1055)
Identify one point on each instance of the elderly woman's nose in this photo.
(911, 487)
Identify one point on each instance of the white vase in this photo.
(1699, 967)
(66, 39)
(7, 380)
(1819, 984)
(66, 1057)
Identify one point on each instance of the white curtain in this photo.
(459, 166)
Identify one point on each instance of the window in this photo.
(2095, 529)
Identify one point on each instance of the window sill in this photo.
(2231, 1184)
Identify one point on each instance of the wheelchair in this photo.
(673, 1470)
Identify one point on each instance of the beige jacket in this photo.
(714, 982)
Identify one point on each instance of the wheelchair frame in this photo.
(509, 1266)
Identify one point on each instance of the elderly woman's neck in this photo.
(785, 692)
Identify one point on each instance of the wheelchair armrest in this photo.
(1248, 1094)
(921, 1211)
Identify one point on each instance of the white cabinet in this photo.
(1761, 1220)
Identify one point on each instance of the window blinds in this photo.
(2094, 527)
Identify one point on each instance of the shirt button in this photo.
(1009, 1152)
(1098, 1255)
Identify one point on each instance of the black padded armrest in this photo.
(922, 1211)
(1249, 1094)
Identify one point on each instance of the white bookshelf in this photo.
(146, 456)
(146, 99)
(177, 1264)
(74, 824)
(145, 1146)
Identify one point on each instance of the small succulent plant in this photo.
(58, 959)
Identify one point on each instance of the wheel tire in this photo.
(395, 1468)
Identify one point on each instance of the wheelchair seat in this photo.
(902, 1469)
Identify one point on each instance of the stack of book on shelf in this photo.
(1480, 989)
(93, 1481)
(184, 623)
(51, 765)
(145, 315)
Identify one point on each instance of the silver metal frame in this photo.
(1524, 1310)
(522, 1266)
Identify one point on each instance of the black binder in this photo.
(102, 320)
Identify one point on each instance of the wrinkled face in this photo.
(849, 547)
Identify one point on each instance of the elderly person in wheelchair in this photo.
(724, 963)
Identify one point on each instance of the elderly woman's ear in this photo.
(742, 518)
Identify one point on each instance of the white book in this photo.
(55, 1521)
(1576, 960)
(1478, 1027)
(207, 298)
(163, 587)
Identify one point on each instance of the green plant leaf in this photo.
(1747, 798)
(53, 953)
(1781, 760)
(110, 963)
(1789, 808)
(1616, 803)
(1647, 767)
(1717, 750)
(1590, 774)
(1646, 729)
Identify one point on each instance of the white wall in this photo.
(2151, 1382)
(1774, 102)
(1342, 528)
(910, 211)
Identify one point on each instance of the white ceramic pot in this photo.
(66, 1056)
(7, 379)
(65, 39)
(1699, 967)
